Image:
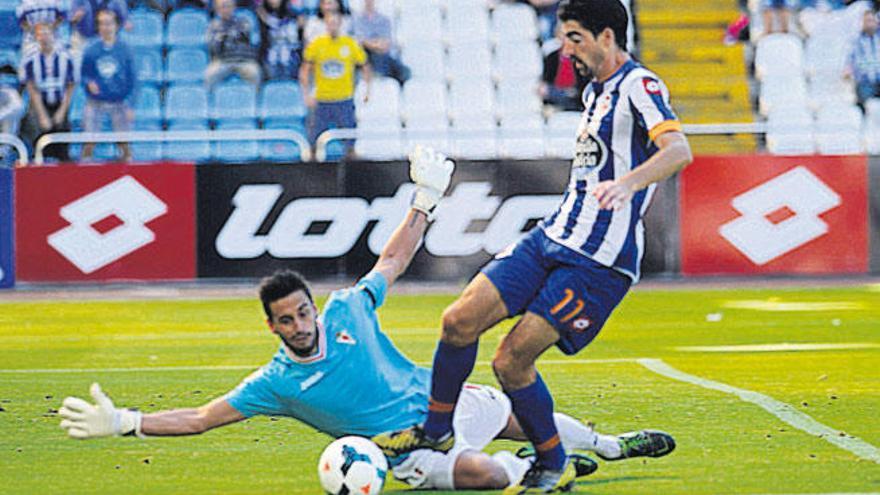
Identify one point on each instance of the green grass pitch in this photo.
(725, 444)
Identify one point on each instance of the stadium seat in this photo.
(467, 21)
(825, 55)
(839, 142)
(517, 98)
(839, 119)
(10, 32)
(190, 151)
(779, 54)
(184, 102)
(522, 137)
(469, 61)
(430, 131)
(474, 138)
(559, 134)
(147, 151)
(827, 90)
(384, 102)
(282, 100)
(423, 23)
(375, 143)
(234, 101)
(425, 59)
(147, 28)
(791, 143)
(514, 21)
(785, 91)
(386, 7)
(282, 151)
(148, 63)
(424, 98)
(148, 105)
(187, 27)
(468, 98)
(235, 151)
(186, 65)
(518, 60)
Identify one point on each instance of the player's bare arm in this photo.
(674, 154)
(190, 421)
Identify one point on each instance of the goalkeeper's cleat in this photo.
(583, 465)
(645, 443)
(542, 480)
(413, 438)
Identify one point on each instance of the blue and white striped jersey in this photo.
(623, 116)
(51, 74)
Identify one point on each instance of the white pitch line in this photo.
(27, 371)
(781, 347)
(781, 410)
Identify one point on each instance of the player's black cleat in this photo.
(583, 465)
(645, 443)
(400, 442)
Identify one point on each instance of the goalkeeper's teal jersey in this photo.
(357, 384)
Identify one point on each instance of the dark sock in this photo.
(533, 407)
(452, 366)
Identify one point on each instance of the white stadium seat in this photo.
(425, 59)
(779, 54)
(522, 137)
(467, 21)
(471, 97)
(475, 138)
(424, 98)
(469, 61)
(514, 21)
(384, 101)
(559, 134)
(518, 60)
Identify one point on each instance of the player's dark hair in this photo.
(281, 284)
(596, 15)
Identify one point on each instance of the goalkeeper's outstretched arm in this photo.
(84, 420)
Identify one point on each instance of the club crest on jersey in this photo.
(652, 86)
(589, 152)
(343, 337)
(580, 324)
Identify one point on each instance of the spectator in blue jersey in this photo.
(373, 30)
(33, 12)
(280, 25)
(864, 60)
(82, 21)
(566, 275)
(229, 41)
(109, 77)
(340, 374)
(49, 78)
(11, 109)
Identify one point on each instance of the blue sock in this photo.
(452, 366)
(533, 407)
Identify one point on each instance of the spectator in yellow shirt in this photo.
(334, 59)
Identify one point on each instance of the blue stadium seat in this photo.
(194, 151)
(236, 151)
(148, 105)
(148, 63)
(234, 101)
(147, 151)
(282, 151)
(146, 29)
(187, 27)
(10, 32)
(186, 102)
(282, 99)
(186, 65)
(252, 20)
(77, 104)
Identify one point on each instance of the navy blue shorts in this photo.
(571, 291)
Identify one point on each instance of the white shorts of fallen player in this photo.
(481, 414)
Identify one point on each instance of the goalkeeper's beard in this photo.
(301, 351)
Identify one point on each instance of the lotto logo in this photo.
(125, 206)
(780, 215)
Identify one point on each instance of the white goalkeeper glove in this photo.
(430, 171)
(83, 420)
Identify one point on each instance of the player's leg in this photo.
(574, 435)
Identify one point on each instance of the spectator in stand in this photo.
(777, 15)
(373, 30)
(109, 77)
(229, 40)
(280, 25)
(82, 20)
(49, 78)
(562, 84)
(334, 58)
(315, 26)
(864, 60)
(33, 12)
(11, 109)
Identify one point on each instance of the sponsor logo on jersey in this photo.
(343, 337)
(589, 152)
(780, 215)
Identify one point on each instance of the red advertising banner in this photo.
(770, 214)
(130, 222)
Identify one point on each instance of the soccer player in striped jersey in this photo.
(567, 275)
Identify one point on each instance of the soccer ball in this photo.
(352, 465)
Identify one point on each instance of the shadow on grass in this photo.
(579, 486)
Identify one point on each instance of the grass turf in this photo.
(725, 445)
